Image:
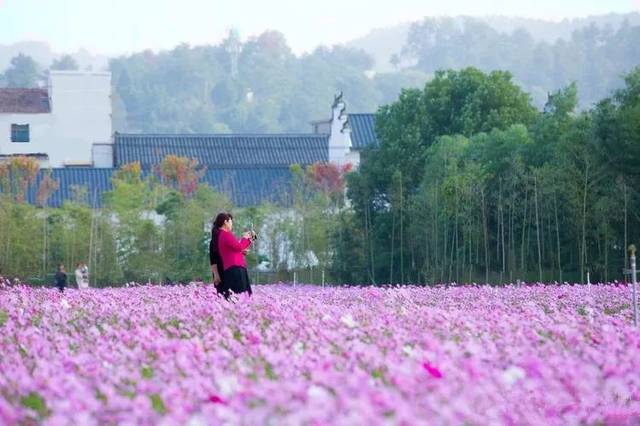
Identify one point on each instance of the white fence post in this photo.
(632, 252)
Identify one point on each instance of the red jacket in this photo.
(231, 250)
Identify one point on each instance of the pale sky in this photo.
(123, 26)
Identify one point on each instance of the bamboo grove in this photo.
(470, 183)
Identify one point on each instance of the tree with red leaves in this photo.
(329, 178)
(181, 173)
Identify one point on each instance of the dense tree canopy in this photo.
(497, 192)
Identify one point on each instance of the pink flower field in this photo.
(557, 355)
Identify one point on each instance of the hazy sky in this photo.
(119, 26)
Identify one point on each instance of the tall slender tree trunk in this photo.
(626, 222)
(583, 249)
(393, 232)
(371, 251)
(427, 252)
(512, 243)
(535, 191)
(453, 245)
(457, 247)
(366, 238)
(502, 232)
(606, 251)
(558, 252)
(44, 244)
(470, 233)
(401, 233)
(524, 230)
(445, 246)
(486, 236)
(436, 241)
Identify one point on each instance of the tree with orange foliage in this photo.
(181, 173)
(47, 186)
(17, 174)
(130, 172)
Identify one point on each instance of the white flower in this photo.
(408, 350)
(65, 304)
(227, 385)
(196, 420)
(349, 321)
(513, 374)
(317, 392)
(298, 348)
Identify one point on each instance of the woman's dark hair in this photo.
(215, 229)
(220, 220)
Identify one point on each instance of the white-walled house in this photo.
(67, 127)
(66, 124)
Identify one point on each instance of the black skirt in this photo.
(234, 280)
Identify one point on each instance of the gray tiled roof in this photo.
(363, 130)
(244, 186)
(223, 150)
(92, 182)
(252, 186)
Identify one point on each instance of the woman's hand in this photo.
(216, 275)
(247, 235)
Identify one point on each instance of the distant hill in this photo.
(382, 43)
(550, 31)
(193, 88)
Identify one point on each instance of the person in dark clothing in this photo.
(214, 254)
(229, 254)
(216, 261)
(61, 278)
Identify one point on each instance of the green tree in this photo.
(23, 72)
(65, 63)
(454, 102)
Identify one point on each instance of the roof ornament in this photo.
(337, 99)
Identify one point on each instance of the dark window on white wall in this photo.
(19, 133)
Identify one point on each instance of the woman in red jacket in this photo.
(231, 253)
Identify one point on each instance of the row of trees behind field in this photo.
(470, 182)
(156, 227)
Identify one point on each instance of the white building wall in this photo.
(102, 154)
(40, 129)
(353, 157)
(80, 116)
(340, 135)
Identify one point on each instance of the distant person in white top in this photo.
(82, 276)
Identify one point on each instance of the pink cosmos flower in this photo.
(215, 399)
(429, 368)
